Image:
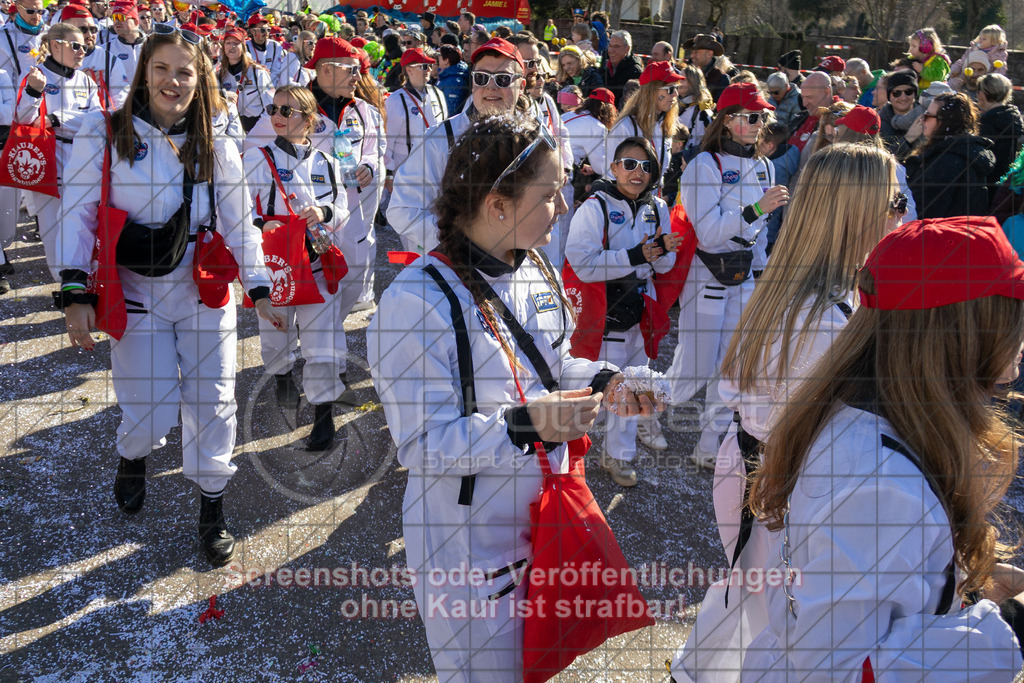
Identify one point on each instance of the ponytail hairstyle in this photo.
(196, 155)
(367, 90)
(476, 161)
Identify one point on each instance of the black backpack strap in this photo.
(14, 53)
(750, 449)
(408, 130)
(272, 197)
(450, 133)
(949, 588)
(604, 213)
(465, 360)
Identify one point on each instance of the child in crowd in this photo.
(930, 60)
(992, 41)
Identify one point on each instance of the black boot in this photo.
(130, 485)
(5, 286)
(218, 543)
(287, 392)
(322, 436)
(6, 268)
(348, 397)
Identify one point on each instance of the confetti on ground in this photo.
(211, 612)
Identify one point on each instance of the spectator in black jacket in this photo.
(1001, 122)
(702, 50)
(620, 65)
(948, 172)
(574, 68)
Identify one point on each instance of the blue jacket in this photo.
(786, 163)
(454, 83)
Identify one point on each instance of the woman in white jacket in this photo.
(69, 95)
(883, 474)
(293, 69)
(728, 191)
(311, 182)
(621, 236)
(447, 367)
(844, 203)
(177, 353)
(241, 74)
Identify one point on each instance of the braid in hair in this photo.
(474, 164)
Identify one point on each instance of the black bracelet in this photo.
(65, 297)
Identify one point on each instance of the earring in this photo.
(501, 216)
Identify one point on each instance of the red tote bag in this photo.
(669, 286)
(105, 282)
(29, 159)
(591, 303)
(291, 275)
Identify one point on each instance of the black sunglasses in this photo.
(89, 29)
(902, 92)
(630, 164)
(30, 12)
(285, 110)
(168, 30)
(73, 44)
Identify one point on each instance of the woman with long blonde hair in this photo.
(651, 112)
(882, 476)
(696, 105)
(842, 206)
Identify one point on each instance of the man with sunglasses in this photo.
(158, 11)
(265, 52)
(785, 97)
(498, 72)
(620, 65)
(127, 43)
(112, 74)
(22, 36)
(98, 9)
(145, 20)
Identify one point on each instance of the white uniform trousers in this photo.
(49, 214)
(177, 354)
(9, 201)
(708, 314)
(320, 329)
(364, 258)
(622, 349)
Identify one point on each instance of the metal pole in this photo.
(677, 26)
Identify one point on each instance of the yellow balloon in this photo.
(561, 42)
(999, 64)
(968, 71)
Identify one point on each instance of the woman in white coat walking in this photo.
(169, 168)
(454, 338)
(728, 191)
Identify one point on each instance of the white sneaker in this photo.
(622, 472)
(649, 433)
(704, 458)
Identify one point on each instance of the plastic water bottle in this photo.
(343, 151)
(317, 234)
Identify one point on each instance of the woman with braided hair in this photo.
(470, 356)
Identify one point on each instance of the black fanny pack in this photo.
(625, 303)
(730, 268)
(156, 252)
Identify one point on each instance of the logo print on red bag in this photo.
(282, 290)
(27, 163)
(575, 298)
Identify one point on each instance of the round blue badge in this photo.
(285, 174)
(141, 150)
(24, 49)
(320, 126)
(51, 89)
(730, 177)
(617, 217)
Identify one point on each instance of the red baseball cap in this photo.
(660, 71)
(358, 41)
(833, 63)
(205, 30)
(746, 95)
(74, 12)
(415, 56)
(256, 19)
(129, 9)
(861, 119)
(940, 261)
(603, 95)
(333, 48)
(501, 47)
(237, 33)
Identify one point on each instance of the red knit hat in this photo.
(941, 261)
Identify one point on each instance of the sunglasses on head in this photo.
(544, 136)
(630, 164)
(899, 203)
(167, 30)
(73, 44)
(753, 118)
(284, 110)
(903, 92)
(502, 80)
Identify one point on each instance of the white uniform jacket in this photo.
(696, 120)
(68, 100)
(409, 117)
(18, 50)
(156, 165)
(293, 71)
(114, 72)
(127, 55)
(418, 180)
(587, 138)
(714, 200)
(628, 221)
(312, 175)
(548, 115)
(253, 86)
(411, 347)
(271, 56)
(7, 98)
(629, 128)
(871, 542)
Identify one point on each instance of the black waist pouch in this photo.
(730, 268)
(625, 303)
(156, 252)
